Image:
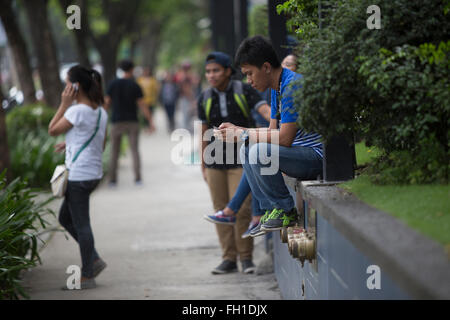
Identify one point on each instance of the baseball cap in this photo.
(221, 58)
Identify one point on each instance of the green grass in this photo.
(425, 208)
(364, 154)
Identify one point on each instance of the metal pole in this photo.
(339, 157)
(277, 29)
(222, 21)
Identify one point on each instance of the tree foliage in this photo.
(258, 23)
(303, 16)
(182, 37)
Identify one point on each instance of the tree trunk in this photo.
(122, 17)
(151, 45)
(45, 49)
(81, 35)
(19, 50)
(82, 50)
(108, 49)
(133, 47)
(4, 148)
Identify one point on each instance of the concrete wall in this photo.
(339, 272)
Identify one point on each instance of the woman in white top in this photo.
(84, 124)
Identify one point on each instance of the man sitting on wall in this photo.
(283, 147)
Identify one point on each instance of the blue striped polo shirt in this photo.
(289, 114)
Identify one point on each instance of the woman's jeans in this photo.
(241, 194)
(74, 217)
(263, 166)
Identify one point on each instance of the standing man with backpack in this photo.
(227, 100)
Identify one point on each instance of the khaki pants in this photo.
(222, 186)
(117, 130)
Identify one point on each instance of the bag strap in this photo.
(90, 139)
(207, 102)
(239, 97)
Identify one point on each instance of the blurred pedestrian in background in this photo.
(150, 88)
(168, 96)
(187, 82)
(124, 97)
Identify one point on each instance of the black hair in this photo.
(126, 65)
(90, 81)
(255, 51)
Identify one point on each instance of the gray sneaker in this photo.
(227, 266)
(99, 266)
(248, 266)
(279, 219)
(256, 232)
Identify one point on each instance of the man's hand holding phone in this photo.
(228, 132)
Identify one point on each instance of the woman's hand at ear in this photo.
(59, 125)
(68, 95)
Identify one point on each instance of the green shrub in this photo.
(303, 16)
(33, 157)
(28, 118)
(412, 88)
(388, 86)
(20, 220)
(31, 148)
(428, 164)
(259, 20)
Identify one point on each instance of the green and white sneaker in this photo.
(279, 219)
(257, 230)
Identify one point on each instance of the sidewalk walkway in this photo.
(153, 237)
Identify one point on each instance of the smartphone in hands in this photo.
(75, 86)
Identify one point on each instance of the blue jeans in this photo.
(269, 189)
(241, 194)
(259, 119)
(74, 217)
